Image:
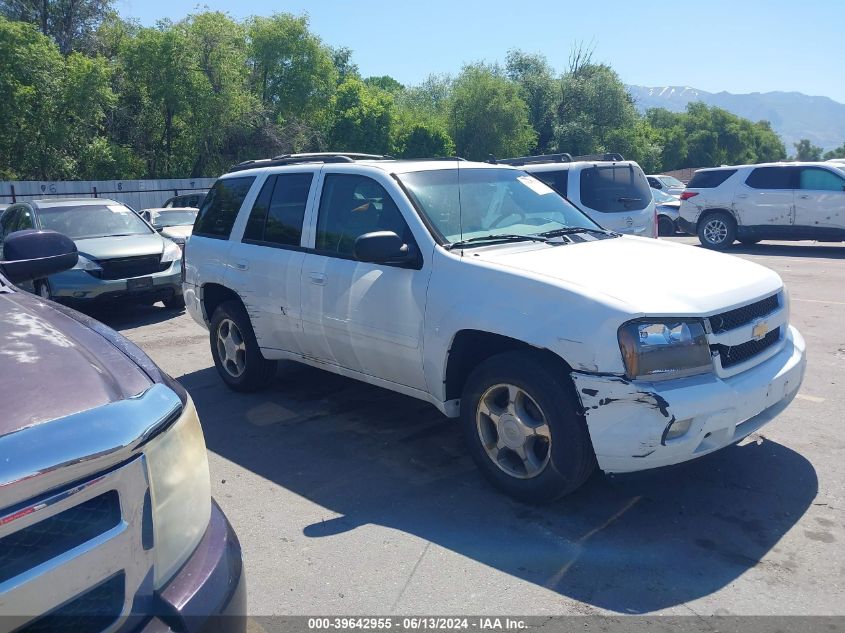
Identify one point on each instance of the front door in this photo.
(820, 199)
(766, 199)
(362, 316)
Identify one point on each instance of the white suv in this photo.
(772, 201)
(614, 192)
(477, 288)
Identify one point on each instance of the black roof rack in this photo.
(554, 158)
(313, 157)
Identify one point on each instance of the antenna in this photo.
(460, 206)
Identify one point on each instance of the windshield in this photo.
(472, 202)
(660, 196)
(93, 220)
(671, 181)
(173, 218)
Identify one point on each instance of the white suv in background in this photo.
(666, 184)
(772, 201)
(614, 192)
(478, 289)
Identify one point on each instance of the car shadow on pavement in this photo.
(122, 316)
(809, 249)
(631, 544)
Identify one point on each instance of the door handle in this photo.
(804, 197)
(742, 195)
(242, 264)
(318, 279)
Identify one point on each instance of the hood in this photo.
(179, 232)
(653, 277)
(53, 366)
(121, 246)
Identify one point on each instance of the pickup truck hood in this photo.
(121, 246)
(653, 277)
(52, 365)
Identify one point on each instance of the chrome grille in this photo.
(126, 267)
(36, 544)
(731, 355)
(743, 315)
(92, 612)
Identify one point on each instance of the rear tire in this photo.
(522, 427)
(665, 226)
(717, 230)
(236, 354)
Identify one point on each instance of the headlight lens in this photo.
(663, 349)
(180, 491)
(171, 253)
(83, 263)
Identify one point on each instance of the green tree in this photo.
(363, 117)
(838, 152)
(541, 92)
(386, 83)
(487, 115)
(805, 150)
(71, 23)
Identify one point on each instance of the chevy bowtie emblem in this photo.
(760, 329)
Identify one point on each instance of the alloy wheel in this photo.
(231, 348)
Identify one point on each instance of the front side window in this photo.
(557, 180)
(815, 179)
(221, 205)
(351, 206)
(467, 203)
(81, 222)
(771, 178)
(615, 189)
(279, 210)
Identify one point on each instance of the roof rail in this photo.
(607, 156)
(313, 157)
(524, 160)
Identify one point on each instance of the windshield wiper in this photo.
(575, 229)
(497, 237)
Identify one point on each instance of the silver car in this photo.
(120, 255)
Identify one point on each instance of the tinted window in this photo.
(710, 179)
(557, 180)
(81, 222)
(771, 178)
(221, 205)
(351, 206)
(654, 182)
(615, 189)
(820, 180)
(279, 210)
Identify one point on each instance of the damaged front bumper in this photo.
(629, 421)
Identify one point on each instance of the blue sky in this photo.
(738, 45)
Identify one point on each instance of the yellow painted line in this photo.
(838, 303)
(802, 396)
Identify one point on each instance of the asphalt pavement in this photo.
(349, 499)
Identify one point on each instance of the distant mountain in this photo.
(793, 115)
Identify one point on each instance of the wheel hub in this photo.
(511, 431)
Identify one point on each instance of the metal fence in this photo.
(138, 194)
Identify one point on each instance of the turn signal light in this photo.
(686, 195)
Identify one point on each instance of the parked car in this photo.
(174, 223)
(666, 207)
(666, 184)
(477, 288)
(193, 200)
(772, 201)
(121, 257)
(610, 190)
(106, 515)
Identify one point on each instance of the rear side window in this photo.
(615, 189)
(279, 210)
(815, 179)
(557, 180)
(710, 179)
(220, 207)
(771, 178)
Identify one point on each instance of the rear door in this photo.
(820, 199)
(267, 260)
(766, 198)
(363, 316)
(616, 196)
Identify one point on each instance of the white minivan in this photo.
(614, 192)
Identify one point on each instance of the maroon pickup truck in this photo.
(106, 516)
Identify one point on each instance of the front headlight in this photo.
(180, 492)
(171, 253)
(83, 263)
(665, 348)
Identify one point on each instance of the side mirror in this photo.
(381, 247)
(33, 254)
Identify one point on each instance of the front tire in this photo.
(522, 427)
(665, 226)
(236, 354)
(717, 230)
